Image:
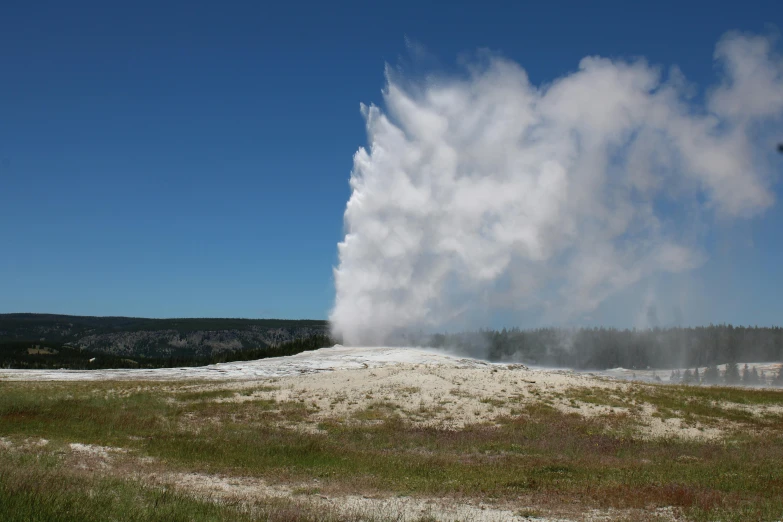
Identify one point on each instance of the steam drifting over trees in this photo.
(603, 348)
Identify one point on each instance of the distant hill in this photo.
(134, 337)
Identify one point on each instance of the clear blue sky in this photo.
(192, 159)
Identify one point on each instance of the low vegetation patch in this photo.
(743, 408)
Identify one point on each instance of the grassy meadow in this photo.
(112, 451)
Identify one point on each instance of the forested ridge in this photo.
(132, 337)
(46, 341)
(37, 356)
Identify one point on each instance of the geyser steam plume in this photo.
(486, 192)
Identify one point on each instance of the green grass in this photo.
(542, 454)
(35, 488)
(205, 395)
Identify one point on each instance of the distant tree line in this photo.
(731, 375)
(313, 342)
(604, 348)
(49, 355)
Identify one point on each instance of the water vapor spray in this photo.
(484, 192)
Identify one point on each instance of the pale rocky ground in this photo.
(452, 396)
(423, 386)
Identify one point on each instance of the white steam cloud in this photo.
(486, 192)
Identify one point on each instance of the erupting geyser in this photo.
(485, 191)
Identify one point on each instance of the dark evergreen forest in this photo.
(49, 355)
